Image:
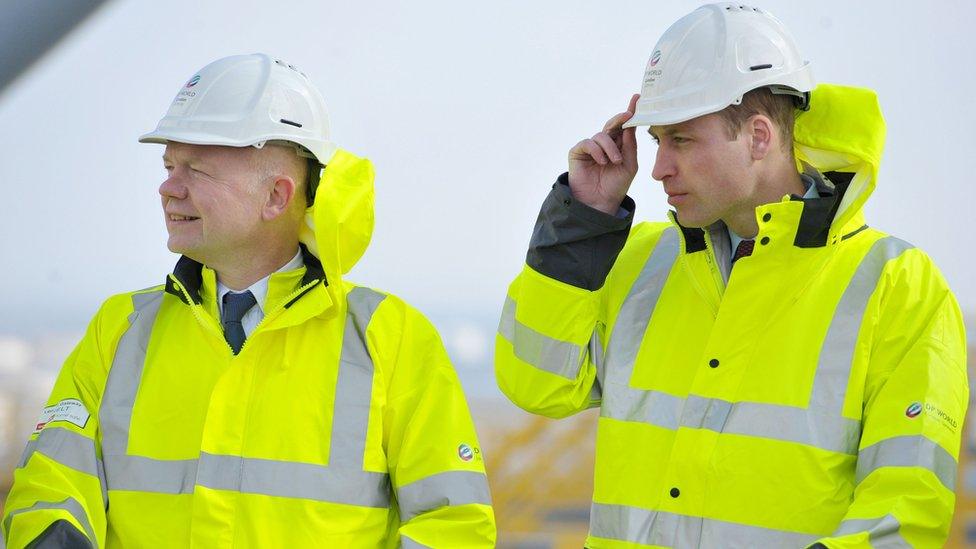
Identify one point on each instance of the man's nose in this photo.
(172, 187)
(663, 164)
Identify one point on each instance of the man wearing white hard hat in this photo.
(256, 399)
(770, 371)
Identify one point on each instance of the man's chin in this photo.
(181, 248)
(690, 221)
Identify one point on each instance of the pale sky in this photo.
(467, 110)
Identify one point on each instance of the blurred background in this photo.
(467, 111)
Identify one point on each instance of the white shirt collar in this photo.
(260, 288)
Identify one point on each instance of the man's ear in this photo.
(280, 196)
(762, 135)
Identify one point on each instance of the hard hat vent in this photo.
(741, 7)
(281, 63)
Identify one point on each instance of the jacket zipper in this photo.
(205, 321)
(277, 310)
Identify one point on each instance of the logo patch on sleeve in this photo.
(69, 409)
(913, 409)
(467, 452)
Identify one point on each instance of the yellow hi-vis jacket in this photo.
(814, 398)
(341, 422)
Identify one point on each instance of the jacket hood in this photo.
(339, 224)
(843, 131)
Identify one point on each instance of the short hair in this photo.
(781, 109)
(295, 161)
(313, 171)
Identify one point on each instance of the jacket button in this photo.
(675, 492)
(764, 241)
(713, 363)
(767, 217)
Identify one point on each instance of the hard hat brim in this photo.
(323, 150)
(191, 139)
(666, 119)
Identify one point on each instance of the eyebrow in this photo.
(668, 130)
(189, 159)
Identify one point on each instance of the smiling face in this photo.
(707, 175)
(212, 200)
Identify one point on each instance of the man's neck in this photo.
(248, 269)
(786, 181)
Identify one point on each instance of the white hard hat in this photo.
(709, 58)
(248, 100)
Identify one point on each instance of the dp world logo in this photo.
(913, 410)
(655, 57)
(193, 81)
(465, 452)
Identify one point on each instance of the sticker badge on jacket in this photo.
(467, 452)
(69, 409)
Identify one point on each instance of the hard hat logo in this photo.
(465, 452)
(913, 410)
(193, 81)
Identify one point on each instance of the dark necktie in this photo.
(235, 306)
(744, 249)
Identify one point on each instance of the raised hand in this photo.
(602, 167)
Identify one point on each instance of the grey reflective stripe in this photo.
(773, 421)
(908, 451)
(442, 489)
(561, 358)
(67, 448)
(294, 480)
(343, 481)
(620, 401)
(143, 474)
(251, 476)
(26, 455)
(71, 505)
(407, 543)
(653, 407)
(636, 525)
(123, 472)
(636, 311)
(115, 412)
(705, 413)
(837, 351)
(354, 387)
(790, 424)
(882, 532)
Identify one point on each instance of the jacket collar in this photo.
(814, 226)
(818, 213)
(188, 273)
